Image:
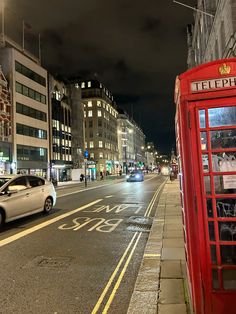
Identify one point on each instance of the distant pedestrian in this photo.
(101, 175)
(81, 177)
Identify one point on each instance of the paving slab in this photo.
(173, 234)
(171, 291)
(176, 242)
(171, 269)
(173, 254)
(172, 309)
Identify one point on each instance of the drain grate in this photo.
(139, 224)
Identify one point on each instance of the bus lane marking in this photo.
(102, 225)
(45, 224)
(117, 208)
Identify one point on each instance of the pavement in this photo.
(161, 285)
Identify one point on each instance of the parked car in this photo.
(23, 195)
(135, 175)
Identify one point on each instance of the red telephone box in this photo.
(205, 100)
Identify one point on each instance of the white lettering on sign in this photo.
(99, 224)
(225, 82)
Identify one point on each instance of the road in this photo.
(84, 256)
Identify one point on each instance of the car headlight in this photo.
(127, 177)
(137, 176)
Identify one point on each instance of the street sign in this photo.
(86, 154)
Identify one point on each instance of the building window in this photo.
(30, 112)
(29, 73)
(100, 155)
(83, 85)
(91, 144)
(90, 123)
(90, 104)
(92, 155)
(99, 104)
(99, 113)
(100, 122)
(89, 84)
(90, 113)
(31, 153)
(30, 131)
(29, 92)
(100, 144)
(90, 134)
(85, 114)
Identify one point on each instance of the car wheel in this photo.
(48, 205)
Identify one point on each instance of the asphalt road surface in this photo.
(84, 256)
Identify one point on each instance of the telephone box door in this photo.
(213, 136)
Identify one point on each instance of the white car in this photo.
(23, 195)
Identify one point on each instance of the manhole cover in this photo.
(139, 224)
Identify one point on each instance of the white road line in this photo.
(108, 196)
(87, 189)
(44, 224)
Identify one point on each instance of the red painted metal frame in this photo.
(206, 299)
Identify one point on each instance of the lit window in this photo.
(85, 114)
(107, 108)
(100, 155)
(77, 85)
(100, 144)
(90, 113)
(104, 105)
(89, 84)
(99, 113)
(86, 145)
(99, 104)
(83, 85)
(92, 155)
(90, 104)
(91, 144)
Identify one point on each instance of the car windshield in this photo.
(3, 181)
(135, 172)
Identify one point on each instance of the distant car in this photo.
(136, 175)
(23, 195)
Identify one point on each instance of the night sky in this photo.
(135, 48)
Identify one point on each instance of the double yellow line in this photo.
(151, 204)
(128, 252)
(127, 255)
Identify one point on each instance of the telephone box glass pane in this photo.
(225, 184)
(202, 118)
(229, 279)
(222, 116)
(228, 254)
(227, 231)
(207, 183)
(205, 163)
(215, 281)
(226, 207)
(211, 231)
(209, 208)
(224, 162)
(203, 140)
(213, 254)
(223, 138)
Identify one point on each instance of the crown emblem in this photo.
(224, 69)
